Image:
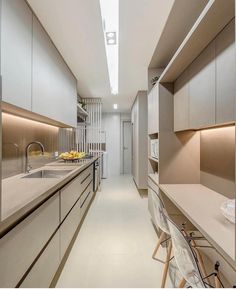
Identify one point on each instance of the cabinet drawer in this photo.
(85, 193)
(21, 245)
(86, 173)
(40, 276)
(71, 193)
(86, 198)
(68, 228)
(85, 181)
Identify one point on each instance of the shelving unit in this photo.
(81, 111)
(191, 164)
(211, 21)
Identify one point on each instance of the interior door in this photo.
(127, 147)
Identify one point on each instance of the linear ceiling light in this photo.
(110, 21)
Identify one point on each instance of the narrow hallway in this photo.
(115, 243)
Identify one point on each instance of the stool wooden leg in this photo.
(182, 283)
(158, 245)
(164, 276)
(202, 265)
(217, 282)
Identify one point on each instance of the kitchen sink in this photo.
(45, 174)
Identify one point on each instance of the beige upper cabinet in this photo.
(16, 52)
(181, 102)
(153, 110)
(202, 89)
(225, 75)
(54, 87)
(205, 92)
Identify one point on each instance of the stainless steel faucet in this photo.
(27, 165)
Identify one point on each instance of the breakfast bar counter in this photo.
(201, 206)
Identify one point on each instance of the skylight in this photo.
(110, 21)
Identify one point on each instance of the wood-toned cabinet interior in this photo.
(48, 232)
(204, 93)
(43, 84)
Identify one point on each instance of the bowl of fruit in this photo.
(72, 156)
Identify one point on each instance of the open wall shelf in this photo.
(211, 21)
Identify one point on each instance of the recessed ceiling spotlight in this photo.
(111, 38)
(111, 41)
(111, 34)
(115, 105)
(110, 23)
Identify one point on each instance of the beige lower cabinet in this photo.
(20, 247)
(68, 228)
(71, 193)
(43, 271)
(85, 199)
(73, 219)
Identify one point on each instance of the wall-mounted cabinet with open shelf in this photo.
(216, 15)
(205, 93)
(196, 94)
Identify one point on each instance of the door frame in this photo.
(123, 121)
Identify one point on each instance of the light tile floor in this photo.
(115, 243)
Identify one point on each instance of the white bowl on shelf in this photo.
(228, 210)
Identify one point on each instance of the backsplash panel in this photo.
(217, 159)
(17, 132)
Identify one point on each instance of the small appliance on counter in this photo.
(154, 148)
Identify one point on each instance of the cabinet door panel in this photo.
(16, 53)
(225, 75)
(85, 199)
(71, 193)
(21, 245)
(149, 112)
(153, 110)
(42, 273)
(202, 89)
(54, 88)
(181, 102)
(68, 228)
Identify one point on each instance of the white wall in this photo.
(111, 124)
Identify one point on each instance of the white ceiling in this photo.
(75, 27)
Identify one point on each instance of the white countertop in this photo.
(20, 195)
(201, 206)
